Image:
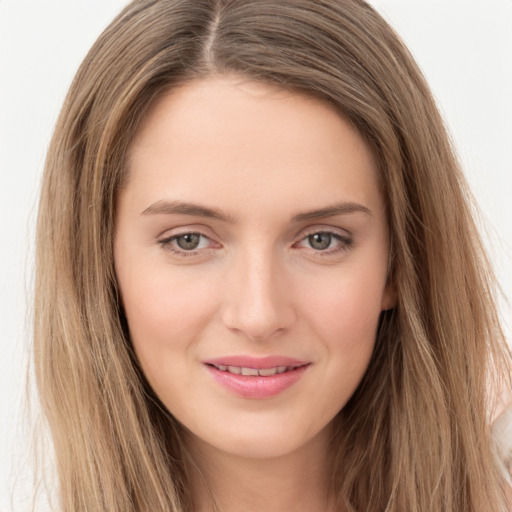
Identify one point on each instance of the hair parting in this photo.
(416, 435)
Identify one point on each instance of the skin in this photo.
(258, 283)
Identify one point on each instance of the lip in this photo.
(259, 363)
(257, 387)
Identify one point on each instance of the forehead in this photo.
(221, 139)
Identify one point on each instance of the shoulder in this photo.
(502, 437)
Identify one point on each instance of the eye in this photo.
(320, 241)
(326, 242)
(186, 242)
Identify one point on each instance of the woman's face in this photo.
(251, 251)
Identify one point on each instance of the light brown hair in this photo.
(416, 434)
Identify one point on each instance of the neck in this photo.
(298, 481)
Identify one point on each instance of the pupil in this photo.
(189, 241)
(320, 241)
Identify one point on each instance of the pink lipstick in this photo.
(258, 378)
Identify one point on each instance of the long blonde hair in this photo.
(416, 434)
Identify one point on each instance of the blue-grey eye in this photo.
(188, 241)
(320, 241)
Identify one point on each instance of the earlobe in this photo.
(389, 297)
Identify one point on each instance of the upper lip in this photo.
(258, 363)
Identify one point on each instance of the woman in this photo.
(259, 283)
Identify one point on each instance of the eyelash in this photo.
(345, 243)
(167, 243)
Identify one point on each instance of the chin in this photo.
(260, 443)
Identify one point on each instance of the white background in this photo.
(463, 46)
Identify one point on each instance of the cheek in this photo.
(165, 310)
(344, 314)
(348, 329)
(346, 306)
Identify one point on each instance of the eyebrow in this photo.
(197, 210)
(181, 208)
(331, 211)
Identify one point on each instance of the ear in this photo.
(389, 296)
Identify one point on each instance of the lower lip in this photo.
(250, 386)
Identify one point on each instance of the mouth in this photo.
(256, 378)
(256, 372)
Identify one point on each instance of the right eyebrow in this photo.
(183, 208)
(343, 208)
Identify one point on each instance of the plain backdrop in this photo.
(463, 46)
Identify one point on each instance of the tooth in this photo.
(249, 371)
(222, 367)
(266, 372)
(235, 369)
(281, 369)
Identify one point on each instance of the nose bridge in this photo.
(256, 301)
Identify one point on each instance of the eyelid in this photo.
(166, 241)
(344, 237)
(170, 238)
(185, 229)
(311, 230)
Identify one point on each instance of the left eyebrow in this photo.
(182, 208)
(331, 211)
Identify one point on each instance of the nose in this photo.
(257, 298)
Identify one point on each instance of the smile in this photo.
(255, 372)
(256, 378)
